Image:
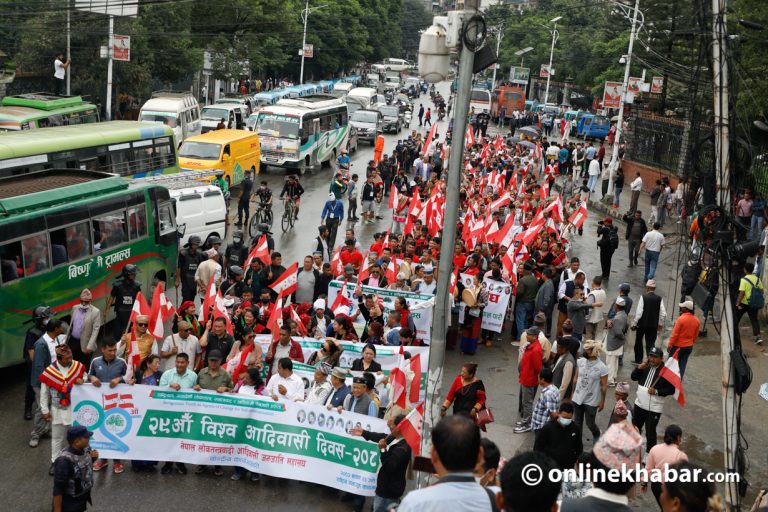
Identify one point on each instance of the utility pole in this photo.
(499, 37)
(110, 47)
(551, 54)
(305, 15)
(453, 184)
(723, 199)
(614, 165)
(69, 48)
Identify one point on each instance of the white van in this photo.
(362, 97)
(233, 114)
(201, 208)
(177, 109)
(341, 89)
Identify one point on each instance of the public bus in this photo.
(511, 98)
(42, 110)
(480, 99)
(128, 148)
(303, 132)
(63, 230)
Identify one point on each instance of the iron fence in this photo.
(656, 142)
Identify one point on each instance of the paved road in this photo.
(27, 487)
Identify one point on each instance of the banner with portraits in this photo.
(499, 293)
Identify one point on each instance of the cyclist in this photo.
(293, 190)
(264, 194)
(343, 162)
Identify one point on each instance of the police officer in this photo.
(236, 252)
(244, 203)
(213, 242)
(235, 284)
(73, 472)
(122, 296)
(189, 258)
(263, 229)
(40, 317)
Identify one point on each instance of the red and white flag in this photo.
(470, 137)
(208, 301)
(337, 268)
(671, 372)
(341, 298)
(430, 136)
(394, 195)
(166, 307)
(302, 329)
(364, 269)
(411, 428)
(220, 310)
(275, 321)
(413, 392)
(398, 379)
(578, 217)
(156, 319)
(288, 282)
(117, 400)
(140, 308)
(260, 251)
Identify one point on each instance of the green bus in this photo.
(65, 230)
(43, 110)
(127, 148)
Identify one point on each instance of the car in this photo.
(368, 124)
(392, 118)
(392, 65)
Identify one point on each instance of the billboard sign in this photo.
(612, 94)
(657, 85)
(111, 7)
(545, 71)
(518, 75)
(121, 48)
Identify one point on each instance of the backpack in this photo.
(756, 298)
(613, 239)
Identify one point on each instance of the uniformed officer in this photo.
(122, 296)
(235, 285)
(73, 472)
(236, 252)
(40, 317)
(189, 258)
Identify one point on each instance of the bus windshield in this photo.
(214, 113)
(201, 150)
(278, 126)
(160, 117)
(480, 95)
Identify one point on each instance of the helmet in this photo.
(130, 270)
(237, 237)
(214, 240)
(264, 227)
(195, 240)
(41, 312)
(236, 270)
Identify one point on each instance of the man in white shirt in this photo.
(321, 388)
(60, 73)
(595, 315)
(652, 243)
(594, 172)
(636, 186)
(207, 269)
(285, 384)
(182, 341)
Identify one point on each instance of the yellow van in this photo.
(231, 151)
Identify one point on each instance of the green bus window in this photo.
(109, 230)
(137, 222)
(165, 215)
(10, 262)
(70, 244)
(35, 254)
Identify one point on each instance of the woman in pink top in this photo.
(663, 455)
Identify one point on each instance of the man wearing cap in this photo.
(359, 400)
(339, 390)
(651, 390)
(614, 342)
(332, 215)
(56, 384)
(285, 384)
(649, 319)
(146, 342)
(530, 367)
(428, 285)
(189, 259)
(619, 448)
(210, 268)
(84, 328)
(213, 378)
(73, 472)
(684, 335)
(320, 388)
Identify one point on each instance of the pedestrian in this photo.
(475, 299)
(121, 296)
(467, 393)
(618, 186)
(244, 203)
(615, 340)
(332, 215)
(108, 369)
(685, 494)
(339, 390)
(525, 303)
(546, 298)
(60, 66)
(591, 387)
(40, 317)
(189, 259)
(661, 457)
(518, 493)
(744, 208)
(368, 200)
(215, 337)
(546, 405)
(455, 453)
(207, 270)
(652, 243)
(648, 321)
(427, 117)
(661, 204)
(750, 300)
(73, 472)
(595, 317)
(530, 367)
(395, 457)
(684, 334)
(560, 439)
(593, 170)
(565, 290)
(352, 192)
(577, 312)
(56, 384)
(182, 341)
(636, 230)
(605, 175)
(44, 353)
(321, 387)
(178, 378)
(608, 243)
(84, 328)
(635, 187)
(621, 394)
(285, 384)
(564, 367)
(759, 211)
(421, 114)
(651, 390)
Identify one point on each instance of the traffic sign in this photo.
(121, 48)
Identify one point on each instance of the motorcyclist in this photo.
(343, 162)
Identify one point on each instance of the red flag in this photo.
(276, 318)
(411, 428)
(140, 308)
(393, 197)
(166, 307)
(413, 392)
(220, 310)
(384, 244)
(397, 377)
(470, 137)
(295, 316)
(671, 372)
(156, 319)
(364, 270)
(391, 271)
(208, 301)
(578, 217)
(429, 139)
(288, 282)
(341, 298)
(260, 251)
(337, 268)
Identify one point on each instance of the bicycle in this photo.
(289, 215)
(263, 215)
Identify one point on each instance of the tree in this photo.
(413, 18)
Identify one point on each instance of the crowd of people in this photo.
(520, 209)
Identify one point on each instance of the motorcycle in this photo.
(407, 116)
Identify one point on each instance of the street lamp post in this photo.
(499, 37)
(521, 54)
(551, 54)
(305, 15)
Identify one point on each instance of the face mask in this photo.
(479, 479)
(564, 421)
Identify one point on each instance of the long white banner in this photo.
(280, 439)
(422, 316)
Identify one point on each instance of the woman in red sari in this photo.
(467, 393)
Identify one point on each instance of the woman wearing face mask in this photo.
(690, 496)
(328, 353)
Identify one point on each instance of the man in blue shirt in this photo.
(340, 389)
(333, 214)
(178, 378)
(108, 369)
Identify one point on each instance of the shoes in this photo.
(118, 468)
(630, 265)
(703, 333)
(33, 442)
(181, 468)
(522, 429)
(27, 413)
(50, 469)
(218, 471)
(236, 476)
(167, 468)
(98, 465)
(758, 341)
(255, 477)
(519, 423)
(200, 470)
(611, 384)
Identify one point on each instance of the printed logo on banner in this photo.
(113, 418)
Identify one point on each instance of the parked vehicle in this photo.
(362, 97)
(238, 99)
(233, 114)
(368, 124)
(200, 208)
(480, 99)
(179, 110)
(341, 89)
(232, 151)
(509, 97)
(590, 126)
(392, 119)
(392, 65)
(43, 110)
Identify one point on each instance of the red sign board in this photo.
(121, 48)
(612, 94)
